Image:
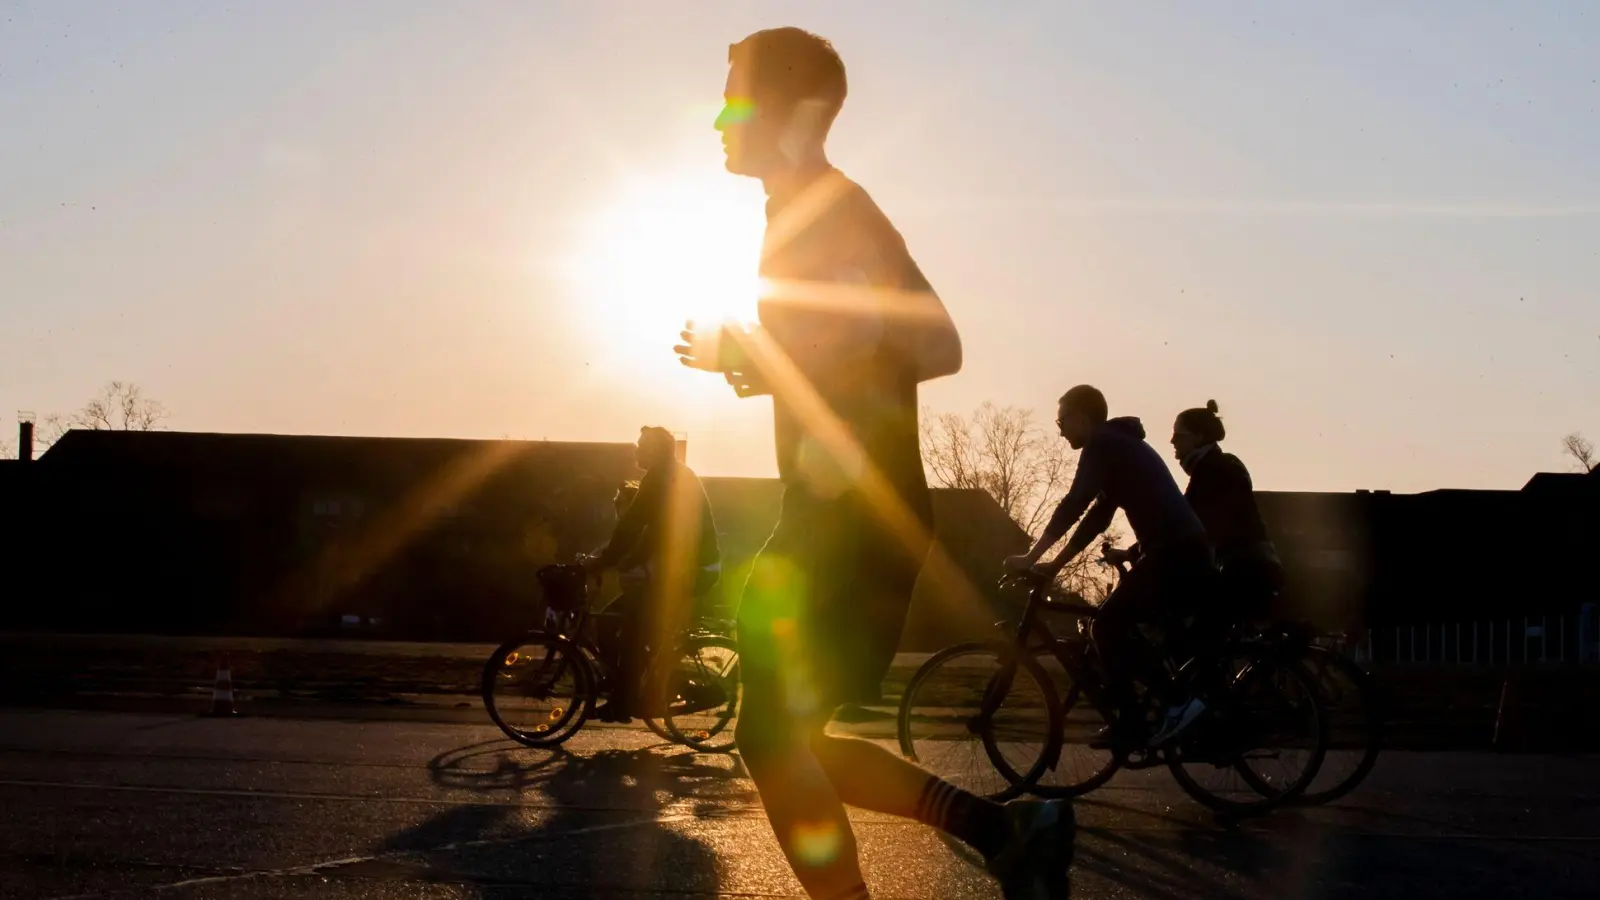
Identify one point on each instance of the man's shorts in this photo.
(826, 601)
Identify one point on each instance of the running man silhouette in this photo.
(848, 328)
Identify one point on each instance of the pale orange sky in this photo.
(1372, 238)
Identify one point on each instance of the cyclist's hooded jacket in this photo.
(1119, 470)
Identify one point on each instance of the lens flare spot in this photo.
(816, 843)
(801, 690)
(737, 111)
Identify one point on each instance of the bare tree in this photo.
(120, 406)
(1001, 451)
(1025, 468)
(47, 430)
(1581, 450)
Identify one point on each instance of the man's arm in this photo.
(882, 301)
(1086, 486)
(630, 528)
(1095, 522)
(877, 297)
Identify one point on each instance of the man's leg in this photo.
(806, 777)
(777, 718)
(1123, 650)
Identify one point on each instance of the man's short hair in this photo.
(791, 65)
(1087, 400)
(658, 439)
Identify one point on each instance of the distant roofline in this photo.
(272, 435)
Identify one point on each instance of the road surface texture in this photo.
(99, 804)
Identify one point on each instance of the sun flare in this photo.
(665, 249)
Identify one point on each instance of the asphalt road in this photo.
(121, 805)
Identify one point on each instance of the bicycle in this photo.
(551, 678)
(1352, 708)
(1226, 738)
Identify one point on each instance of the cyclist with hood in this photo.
(1116, 470)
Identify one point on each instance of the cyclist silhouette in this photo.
(668, 532)
(1118, 470)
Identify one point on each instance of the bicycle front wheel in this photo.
(696, 692)
(982, 716)
(538, 689)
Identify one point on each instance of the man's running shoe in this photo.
(1035, 863)
(1177, 719)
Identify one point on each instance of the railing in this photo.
(1518, 641)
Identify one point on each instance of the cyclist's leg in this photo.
(1122, 649)
(631, 660)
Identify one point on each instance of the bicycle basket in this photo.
(565, 587)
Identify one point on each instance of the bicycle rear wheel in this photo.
(983, 717)
(1261, 742)
(1354, 719)
(538, 688)
(697, 693)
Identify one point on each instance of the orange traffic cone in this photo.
(222, 691)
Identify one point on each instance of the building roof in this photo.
(85, 445)
(368, 460)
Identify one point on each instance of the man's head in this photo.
(656, 446)
(1080, 412)
(785, 87)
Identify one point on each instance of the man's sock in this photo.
(979, 823)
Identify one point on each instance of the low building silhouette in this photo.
(1375, 559)
(411, 538)
(423, 538)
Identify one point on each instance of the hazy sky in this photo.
(1371, 231)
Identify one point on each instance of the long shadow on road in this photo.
(558, 824)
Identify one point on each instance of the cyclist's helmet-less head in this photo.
(656, 445)
(1197, 428)
(1080, 412)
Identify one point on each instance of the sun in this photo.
(663, 249)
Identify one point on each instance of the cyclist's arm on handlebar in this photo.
(1095, 522)
(640, 513)
(1085, 488)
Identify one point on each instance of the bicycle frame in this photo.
(1033, 635)
(1029, 627)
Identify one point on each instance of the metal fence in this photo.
(1522, 641)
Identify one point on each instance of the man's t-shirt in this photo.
(839, 275)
